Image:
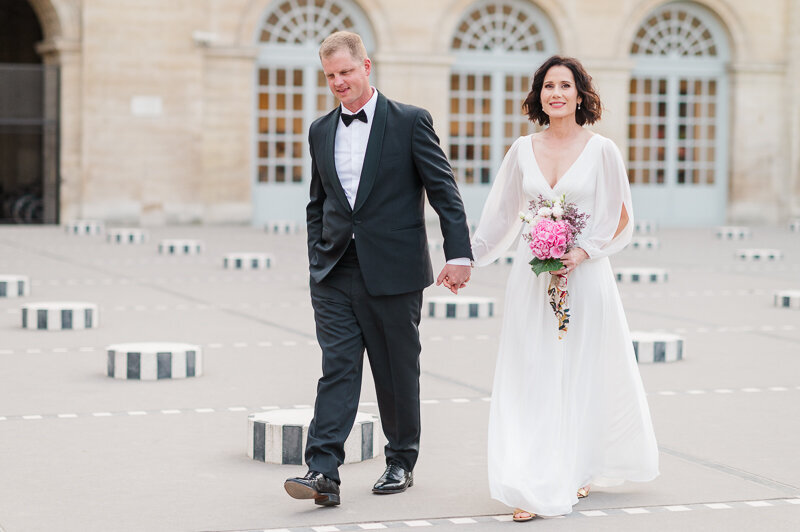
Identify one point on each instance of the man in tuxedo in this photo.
(373, 161)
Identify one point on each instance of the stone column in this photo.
(793, 103)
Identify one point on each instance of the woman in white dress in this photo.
(565, 413)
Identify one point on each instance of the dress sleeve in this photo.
(500, 222)
(612, 192)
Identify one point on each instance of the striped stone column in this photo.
(282, 227)
(279, 437)
(787, 299)
(759, 255)
(247, 261)
(733, 232)
(180, 246)
(84, 227)
(653, 347)
(507, 258)
(150, 361)
(645, 227)
(132, 235)
(641, 275)
(460, 307)
(59, 316)
(645, 242)
(14, 286)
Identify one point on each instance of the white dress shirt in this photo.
(350, 147)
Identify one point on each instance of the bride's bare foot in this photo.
(522, 515)
(583, 492)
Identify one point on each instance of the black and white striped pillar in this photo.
(132, 235)
(759, 255)
(279, 437)
(733, 232)
(645, 242)
(247, 261)
(641, 275)
(506, 258)
(460, 307)
(84, 228)
(150, 361)
(794, 225)
(180, 246)
(643, 227)
(282, 227)
(14, 286)
(59, 316)
(654, 347)
(787, 299)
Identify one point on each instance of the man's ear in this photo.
(367, 65)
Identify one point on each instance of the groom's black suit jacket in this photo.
(403, 161)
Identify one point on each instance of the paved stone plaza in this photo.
(80, 451)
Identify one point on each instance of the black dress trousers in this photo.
(349, 320)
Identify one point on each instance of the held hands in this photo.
(571, 261)
(454, 277)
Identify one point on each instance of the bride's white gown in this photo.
(564, 413)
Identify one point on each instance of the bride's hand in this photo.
(571, 261)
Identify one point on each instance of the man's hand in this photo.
(454, 277)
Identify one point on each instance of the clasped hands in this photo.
(454, 277)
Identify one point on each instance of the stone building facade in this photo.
(196, 111)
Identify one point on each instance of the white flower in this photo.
(544, 212)
(526, 217)
(558, 211)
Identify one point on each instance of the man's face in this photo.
(348, 79)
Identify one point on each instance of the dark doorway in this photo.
(29, 111)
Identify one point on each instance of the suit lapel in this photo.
(373, 154)
(329, 157)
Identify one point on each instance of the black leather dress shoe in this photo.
(314, 485)
(394, 480)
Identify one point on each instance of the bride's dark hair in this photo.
(590, 110)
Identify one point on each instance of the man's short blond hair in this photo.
(343, 40)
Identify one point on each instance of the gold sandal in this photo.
(583, 492)
(522, 515)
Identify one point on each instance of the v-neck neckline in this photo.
(568, 170)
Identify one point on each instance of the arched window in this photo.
(677, 116)
(291, 93)
(497, 46)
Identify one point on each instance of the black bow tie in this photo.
(348, 119)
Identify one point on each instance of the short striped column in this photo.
(653, 348)
(247, 261)
(641, 275)
(787, 299)
(794, 225)
(645, 242)
(132, 235)
(150, 361)
(645, 227)
(506, 258)
(460, 307)
(84, 227)
(733, 232)
(282, 227)
(14, 286)
(59, 316)
(279, 437)
(176, 246)
(759, 255)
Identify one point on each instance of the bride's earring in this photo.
(579, 106)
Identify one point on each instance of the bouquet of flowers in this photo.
(553, 227)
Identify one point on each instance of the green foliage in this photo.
(549, 265)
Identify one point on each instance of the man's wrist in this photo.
(461, 261)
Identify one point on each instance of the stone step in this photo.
(247, 261)
(122, 235)
(641, 275)
(180, 246)
(84, 227)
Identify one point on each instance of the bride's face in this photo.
(559, 95)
